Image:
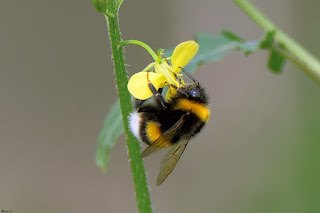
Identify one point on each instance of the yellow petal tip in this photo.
(183, 53)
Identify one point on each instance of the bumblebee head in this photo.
(193, 92)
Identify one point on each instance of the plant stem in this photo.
(145, 46)
(133, 146)
(300, 56)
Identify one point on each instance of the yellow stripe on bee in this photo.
(154, 133)
(202, 111)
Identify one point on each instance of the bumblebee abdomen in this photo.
(151, 125)
(147, 128)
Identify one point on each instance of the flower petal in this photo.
(166, 70)
(170, 93)
(138, 84)
(183, 53)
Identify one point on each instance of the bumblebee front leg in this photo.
(141, 107)
(178, 89)
(157, 95)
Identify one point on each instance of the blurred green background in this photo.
(258, 153)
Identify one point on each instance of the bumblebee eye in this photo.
(194, 93)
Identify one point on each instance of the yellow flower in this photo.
(163, 73)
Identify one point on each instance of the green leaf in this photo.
(229, 34)
(111, 130)
(276, 61)
(268, 40)
(100, 5)
(249, 47)
(213, 48)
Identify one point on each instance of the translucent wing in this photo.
(170, 160)
(165, 137)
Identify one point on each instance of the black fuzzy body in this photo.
(167, 117)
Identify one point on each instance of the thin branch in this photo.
(299, 55)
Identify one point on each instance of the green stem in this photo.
(144, 45)
(133, 146)
(118, 4)
(300, 56)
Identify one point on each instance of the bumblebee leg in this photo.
(177, 78)
(157, 93)
(179, 90)
(147, 108)
(158, 97)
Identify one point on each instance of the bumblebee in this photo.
(172, 123)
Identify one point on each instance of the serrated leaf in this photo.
(111, 130)
(276, 61)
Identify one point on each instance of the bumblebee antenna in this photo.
(190, 76)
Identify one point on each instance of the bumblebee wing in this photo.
(170, 160)
(165, 137)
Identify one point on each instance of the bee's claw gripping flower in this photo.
(138, 84)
